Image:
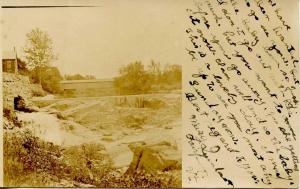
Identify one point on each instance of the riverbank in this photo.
(149, 127)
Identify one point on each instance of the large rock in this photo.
(152, 158)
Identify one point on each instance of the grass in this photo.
(10, 115)
(31, 162)
(25, 156)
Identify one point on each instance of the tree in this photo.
(50, 80)
(155, 72)
(133, 79)
(172, 74)
(38, 51)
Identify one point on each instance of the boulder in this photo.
(152, 158)
(20, 105)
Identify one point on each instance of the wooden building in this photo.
(95, 87)
(9, 62)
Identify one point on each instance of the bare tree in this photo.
(38, 51)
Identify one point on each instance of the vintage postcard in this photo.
(150, 94)
(241, 94)
(92, 93)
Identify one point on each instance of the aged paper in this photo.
(92, 93)
(140, 93)
(241, 94)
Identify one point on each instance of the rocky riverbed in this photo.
(138, 133)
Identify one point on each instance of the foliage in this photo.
(22, 68)
(37, 90)
(171, 74)
(155, 72)
(143, 179)
(11, 116)
(135, 79)
(87, 163)
(79, 77)
(31, 162)
(25, 154)
(38, 50)
(50, 78)
(39, 55)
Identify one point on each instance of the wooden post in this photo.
(16, 61)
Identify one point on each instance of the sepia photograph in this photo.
(149, 93)
(92, 93)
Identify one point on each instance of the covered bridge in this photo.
(95, 87)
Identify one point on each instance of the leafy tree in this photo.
(172, 74)
(38, 51)
(50, 80)
(155, 72)
(133, 79)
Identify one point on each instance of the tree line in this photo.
(136, 78)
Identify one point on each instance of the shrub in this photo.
(50, 79)
(11, 116)
(31, 162)
(133, 79)
(136, 79)
(24, 154)
(36, 90)
(87, 163)
(143, 179)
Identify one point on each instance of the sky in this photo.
(99, 40)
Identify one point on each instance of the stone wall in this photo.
(14, 85)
